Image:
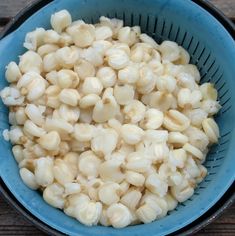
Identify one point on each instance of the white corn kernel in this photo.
(84, 69)
(182, 192)
(60, 20)
(46, 49)
(52, 37)
(191, 70)
(135, 178)
(156, 185)
(191, 168)
(89, 164)
(170, 51)
(109, 193)
(184, 57)
(104, 142)
(189, 99)
(161, 100)
(67, 79)
(104, 218)
(177, 157)
(84, 132)
(32, 84)
(16, 134)
(137, 161)
(148, 212)
(153, 119)
(117, 58)
(65, 39)
(12, 73)
(127, 35)
(68, 113)
(175, 121)
(211, 107)
(121, 46)
(89, 100)
(83, 35)
(50, 62)
(92, 85)
(18, 153)
(107, 76)
(193, 150)
(146, 77)
(208, 91)
(33, 129)
(186, 80)
(53, 195)
(59, 125)
(50, 141)
(197, 138)
(129, 74)
(114, 24)
(134, 111)
(110, 171)
(71, 159)
(156, 136)
(131, 198)
(105, 109)
(103, 32)
(196, 116)
(62, 173)
(72, 188)
(34, 39)
(34, 114)
(93, 56)
(131, 134)
(161, 152)
(66, 57)
(101, 46)
(73, 201)
(155, 202)
(30, 61)
(211, 129)
(177, 139)
(69, 97)
(150, 41)
(44, 171)
(20, 116)
(11, 96)
(86, 115)
(119, 215)
(123, 94)
(171, 202)
(89, 213)
(166, 83)
(28, 178)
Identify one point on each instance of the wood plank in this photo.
(226, 6)
(11, 223)
(9, 8)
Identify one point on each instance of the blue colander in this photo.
(211, 48)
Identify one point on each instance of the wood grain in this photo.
(11, 223)
(9, 8)
(226, 6)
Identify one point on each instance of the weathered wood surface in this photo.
(11, 223)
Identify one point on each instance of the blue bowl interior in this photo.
(211, 48)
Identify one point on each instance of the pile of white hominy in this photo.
(111, 127)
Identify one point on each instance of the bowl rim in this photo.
(227, 199)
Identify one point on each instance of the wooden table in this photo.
(11, 223)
